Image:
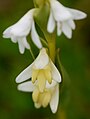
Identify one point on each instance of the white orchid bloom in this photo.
(49, 96)
(19, 31)
(63, 17)
(42, 70)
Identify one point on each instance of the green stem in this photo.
(44, 42)
(51, 39)
(32, 54)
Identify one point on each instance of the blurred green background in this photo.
(75, 57)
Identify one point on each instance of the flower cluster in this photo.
(43, 74)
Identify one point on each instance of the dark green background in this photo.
(75, 57)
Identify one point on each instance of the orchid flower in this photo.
(42, 70)
(19, 31)
(63, 18)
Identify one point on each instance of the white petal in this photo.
(60, 12)
(51, 23)
(76, 14)
(71, 24)
(7, 33)
(42, 60)
(53, 84)
(26, 44)
(55, 99)
(35, 36)
(66, 29)
(21, 45)
(55, 73)
(23, 26)
(26, 87)
(14, 39)
(59, 31)
(24, 75)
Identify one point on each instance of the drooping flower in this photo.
(49, 96)
(63, 18)
(19, 31)
(42, 70)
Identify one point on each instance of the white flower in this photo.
(42, 70)
(19, 31)
(45, 81)
(63, 17)
(49, 96)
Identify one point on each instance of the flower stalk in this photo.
(51, 39)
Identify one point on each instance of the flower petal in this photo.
(26, 86)
(14, 39)
(51, 23)
(41, 81)
(42, 60)
(76, 14)
(55, 99)
(7, 32)
(23, 26)
(71, 24)
(55, 73)
(24, 75)
(59, 31)
(26, 44)
(35, 36)
(46, 99)
(21, 45)
(66, 29)
(48, 76)
(35, 94)
(60, 12)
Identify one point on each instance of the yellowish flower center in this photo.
(41, 76)
(42, 99)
